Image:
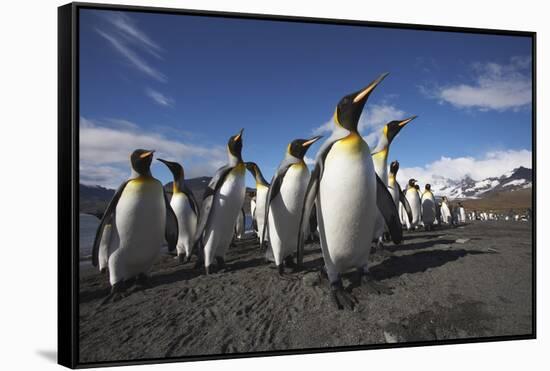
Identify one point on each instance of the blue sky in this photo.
(183, 84)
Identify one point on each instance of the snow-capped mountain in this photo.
(467, 187)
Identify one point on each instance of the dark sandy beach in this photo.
(442, 289)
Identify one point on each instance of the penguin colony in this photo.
(349, 200)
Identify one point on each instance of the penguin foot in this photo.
(208, 270)
(377, 287)
(341, 298)
(181, 258)
(143, 281)
(198, 264)
(116, 293)
(289, 262)
(220, 262)
(281, 269)
(103, 270)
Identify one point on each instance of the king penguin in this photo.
(185, 207)
(396, 192)
(221, 204)
(285, 199)
(262, 187)
(380, 160)
(142, 218)
(348, 194)
(446, 216)
(414, 201)
(428, 207)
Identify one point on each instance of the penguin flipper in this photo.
(192, 200)
(309, 199)
(171, 232)
(388, 210)
(104, 221)
(274, 190)
(406, 204)
(207, 200)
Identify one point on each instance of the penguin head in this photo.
(428, 187)
(299, 147)
(392, 128)
(412, 182)
(175, 168)
(350, 107)
(394, 167)
(141, 161)
(254, 169)
(235, 145)
(417, 187)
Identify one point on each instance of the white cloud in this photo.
(496, 87)
(371, 122)
(309, 160)
(105, 150)
(159, 98)
(492, 164)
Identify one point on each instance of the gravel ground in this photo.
(465, 282)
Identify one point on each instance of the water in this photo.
(88, 227)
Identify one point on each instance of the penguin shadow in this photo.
(238, 264)
(418, 262)
(414, 236)
(166, 278)
(313, 265)
(419, 245)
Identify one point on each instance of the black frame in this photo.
(68, 180)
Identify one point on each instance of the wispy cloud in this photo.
(371, 122)
(137, 61)
(105, 151)
(491, 164)
(129, 30)
(159, 98)
(495, 86)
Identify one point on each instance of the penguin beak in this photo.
(147, 154)
(366, 91)
(169, 165)
(238, 137)
(406, 121)
(311, 141)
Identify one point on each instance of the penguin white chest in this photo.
(414, 201)
(261, 197)
(140, 222)
(346, 204)
(227, 203)
(187, 222)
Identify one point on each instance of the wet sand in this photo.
(442, 289)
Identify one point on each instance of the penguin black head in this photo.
(175, 168)
(299, 147)
(392, 128)
(235, 145)
(254, 169)
(412, 182)
(428, 187)
(350, 107)
(417, 187)
(394, 167)
(141, 161)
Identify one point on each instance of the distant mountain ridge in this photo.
(94, 198)
(465, 188)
